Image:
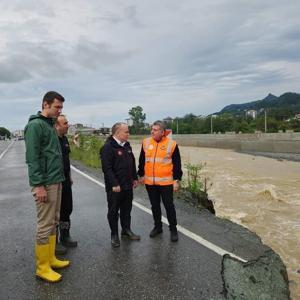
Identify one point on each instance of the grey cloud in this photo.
(110, 18)
(93, 55)
(39, 7)
(19, 31)
(132, 15)
(128, 15)
(11, 74)
(240, 52)
(32, 60)
(244, 35)
(199, 55)
(291, 34)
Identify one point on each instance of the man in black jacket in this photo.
(118, 165)
(66, 207)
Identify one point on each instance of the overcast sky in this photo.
(171, 57)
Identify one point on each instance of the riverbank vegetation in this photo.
(87, 150)
(194, 187)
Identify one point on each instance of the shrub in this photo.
(88, 150)
(193, 182)
(196, 187)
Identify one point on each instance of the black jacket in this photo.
(65, 150)
(118, 165)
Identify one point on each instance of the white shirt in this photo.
(119, 142)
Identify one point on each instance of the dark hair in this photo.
(51, 96)
(116, 127)
(161, 125)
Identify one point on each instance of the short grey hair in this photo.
(116, 127)
(61, 115)
(161, 125)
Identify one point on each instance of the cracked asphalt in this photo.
(146, 269)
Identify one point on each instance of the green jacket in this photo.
(43, 153)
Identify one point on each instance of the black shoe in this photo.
(155, 231)
(60, 249)
(68, 242)
(127, 233)
(65, 237)
(174, 236)
(115, 241)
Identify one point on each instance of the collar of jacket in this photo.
(51, 121)
(115, 144)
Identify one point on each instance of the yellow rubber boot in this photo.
(43, 269)
(54, 262)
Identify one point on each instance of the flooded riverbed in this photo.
(260, 193)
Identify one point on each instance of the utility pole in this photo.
(177, 129)
(266, 121)
(211, 124)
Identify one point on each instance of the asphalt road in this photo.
(146, 269)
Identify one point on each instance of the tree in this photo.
(4, 132)
(294, 124)
(138, 120)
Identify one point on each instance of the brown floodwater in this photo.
(260, 193)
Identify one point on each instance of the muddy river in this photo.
(260, 193)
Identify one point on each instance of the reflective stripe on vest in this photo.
(159, 159)
(169, 148)
(158, 179)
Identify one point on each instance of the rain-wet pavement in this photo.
(146, 269)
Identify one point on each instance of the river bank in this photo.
(260, 193)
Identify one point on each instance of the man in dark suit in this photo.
(118, 165)
(66, 207)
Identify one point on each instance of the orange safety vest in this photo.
(158, 161)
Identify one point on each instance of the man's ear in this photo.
(45, 105)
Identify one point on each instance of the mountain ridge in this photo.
(288, 100)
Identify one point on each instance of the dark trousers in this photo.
(66, 206)
(119, 202)
(164, 193)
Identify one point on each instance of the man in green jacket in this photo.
(45, 170)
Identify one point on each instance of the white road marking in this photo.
(181, 229)
(3, 153)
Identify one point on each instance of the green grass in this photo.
(88, 150)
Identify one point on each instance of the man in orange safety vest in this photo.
(160, 171)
